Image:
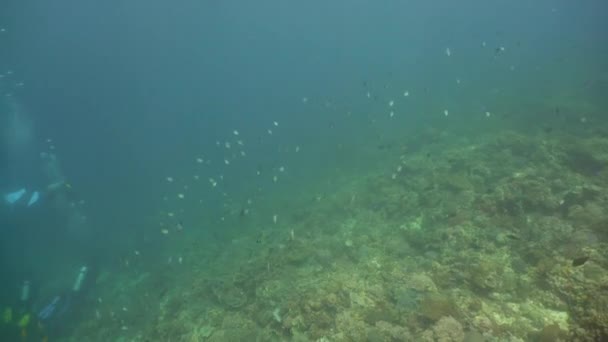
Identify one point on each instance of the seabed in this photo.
(489, 237)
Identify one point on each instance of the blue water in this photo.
(127, 94)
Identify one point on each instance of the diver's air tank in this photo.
(80, 278)
(25, 291)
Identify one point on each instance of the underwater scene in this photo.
(326, 171)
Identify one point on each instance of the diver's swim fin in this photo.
(33, 199)
(14, 196)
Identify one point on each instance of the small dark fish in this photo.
(499, 50)
(579, 261)
(179, 226)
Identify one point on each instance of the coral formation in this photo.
(485, 237)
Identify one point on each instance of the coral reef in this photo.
(497, 239)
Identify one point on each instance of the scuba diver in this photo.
(28, 198)
(37, 205)
(54, 315)
(17, 153)
(38, 322)
(31, 317)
